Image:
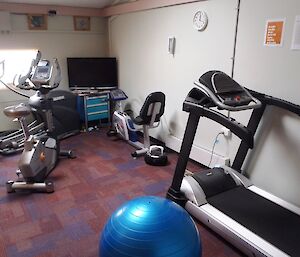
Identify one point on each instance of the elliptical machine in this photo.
(39, 156)
(65, 116)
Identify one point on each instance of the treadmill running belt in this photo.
(266, 219)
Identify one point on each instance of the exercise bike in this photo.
(40, 155)
(122, 124)
(126, 127)
(65, 116)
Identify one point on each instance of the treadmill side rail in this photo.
(192, 191)
(238, 177)
(291, 207)
(232, 231)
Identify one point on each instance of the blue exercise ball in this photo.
(150, 226)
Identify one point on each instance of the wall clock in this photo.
(200, 20)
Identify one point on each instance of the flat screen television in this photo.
(92, 73)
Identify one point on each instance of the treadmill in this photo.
(255, 221)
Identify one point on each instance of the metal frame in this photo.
(232, 231)
(255, 119)
(189, 195)
(239, 236)
(195, 112)
(143, 148)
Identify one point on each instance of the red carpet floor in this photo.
(88, 189)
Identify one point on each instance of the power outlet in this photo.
(226, 132)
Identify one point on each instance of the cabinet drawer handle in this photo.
(93, 113)
(97, 97)
(94, 105)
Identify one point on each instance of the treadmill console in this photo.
(238, 99)
(225, 92)
(229, 91)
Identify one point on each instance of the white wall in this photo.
(60, 41)
(140, 42)
(273, 70)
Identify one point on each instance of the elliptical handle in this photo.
(58, 77)
(22, 80)
(37, 58)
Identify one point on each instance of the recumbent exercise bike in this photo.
(39, 156)
(149, 117)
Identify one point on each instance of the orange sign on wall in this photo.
(274, 33)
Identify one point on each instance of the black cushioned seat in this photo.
(146, 113)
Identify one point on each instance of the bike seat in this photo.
(17, 111)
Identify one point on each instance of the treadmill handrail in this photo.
(271, 100)
(255, 121)
(256, 103)
(235, 127)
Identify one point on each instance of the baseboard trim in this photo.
(198, 154)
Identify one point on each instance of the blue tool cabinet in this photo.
(94, 108)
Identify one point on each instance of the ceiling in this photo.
(73, 3)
